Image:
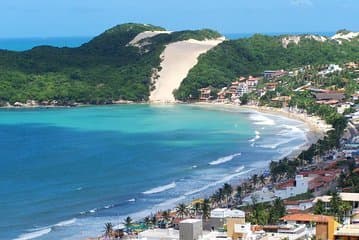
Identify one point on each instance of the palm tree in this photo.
(108, 229)
(166, 215)
(206, 208)
(227, 191)
(147, 221)
(154, 220)
(197, 207)
(128, 222)
(181, 210)
(255, 180)
(262, 179)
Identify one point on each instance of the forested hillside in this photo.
(102, 70)
(251, 56)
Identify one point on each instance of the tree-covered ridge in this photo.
(106, 68)
(251, 56)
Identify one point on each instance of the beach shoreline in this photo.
(317, 127)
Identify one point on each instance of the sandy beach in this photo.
(178, 59)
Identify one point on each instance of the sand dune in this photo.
(144, 35)
(178, 59)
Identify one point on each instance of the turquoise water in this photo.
(65, 172)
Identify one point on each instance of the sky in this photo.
(57, 18)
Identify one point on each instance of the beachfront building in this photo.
(292, 188)
(240, 231)
(260, 196)
(252, 82)
(222, 95)
(271, 86)
(205, 94)
(347, 232)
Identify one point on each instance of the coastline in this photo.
(317, 127)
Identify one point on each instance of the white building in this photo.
(263, 195)
(332, 68)
(227, 213)
(190, 229)
(301, 185)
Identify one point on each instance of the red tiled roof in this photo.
(289, 183)
(302, 217)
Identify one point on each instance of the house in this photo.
(205, 94)
(270, 74)
(252, 82)
(329, 98)
(263, 195)
(283, 100)
(222, 94)
(285, 231)
(271, 86)
(351, 198)
(293, 187)
(347, 232)
(240, 231)
(332, 68)
(324, 225)
(220, 216)
(242, 89)
(298, 206)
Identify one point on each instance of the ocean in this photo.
(64, 172)
(23, 44)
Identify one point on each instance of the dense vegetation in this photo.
(102, 70)
(253, 55)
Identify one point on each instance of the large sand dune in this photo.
(178, 59)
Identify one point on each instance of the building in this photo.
(205, 94)
(270, 74)
(220, 216)
(222, 94)
(271, 86)
(157, 233)
(324, 225)
(351, 198)
(286, 231)
(298, 206)
(190, 229)
(329, 98)
(347, 232)
(252, 82)
(292, 188)
(240, 231)
(263, 195)
(332, 68)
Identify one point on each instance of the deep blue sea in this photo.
(64, 172)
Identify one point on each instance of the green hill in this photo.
(251, 56)
(102, 70)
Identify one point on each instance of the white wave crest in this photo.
(256, 137)
(224, 159)
(259, 119)
(240, 169)
(65, 223)
(213, 184)
(277, 144)
(160, 188)
(131, 200)
(32, 235)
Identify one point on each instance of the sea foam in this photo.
(35, 234)
(224, 159)
(160, 189)
(259, 119)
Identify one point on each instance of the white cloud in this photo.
(302, 2)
